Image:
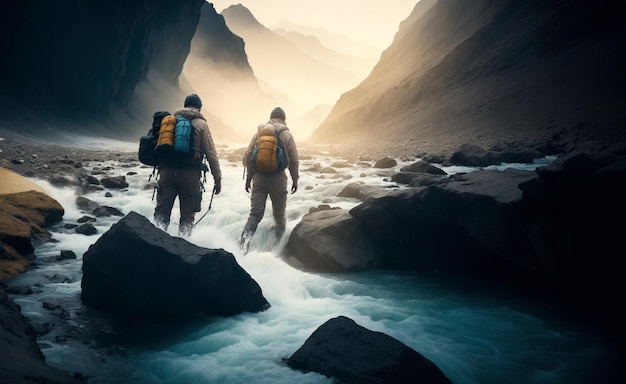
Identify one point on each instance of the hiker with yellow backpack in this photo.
(271, 151)
(184, 141)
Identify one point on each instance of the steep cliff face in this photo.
(80, 58)
(215, 42)
(490, 71)
(218, 69)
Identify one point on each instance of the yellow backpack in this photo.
(268, 154)
(165, 142)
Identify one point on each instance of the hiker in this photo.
(182, 177)
(270, 183)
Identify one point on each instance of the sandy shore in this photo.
(14, 183)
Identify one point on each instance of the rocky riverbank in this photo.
(560, 205)
(26, 211)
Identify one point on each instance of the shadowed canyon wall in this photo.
(489, 72)
(84, 56)
(83, 59)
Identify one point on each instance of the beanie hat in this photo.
(277, 113)
(193, 100)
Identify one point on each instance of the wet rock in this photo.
(386, 162)
(19, 290)
(423, 167)
(92, 180)
(158, 276)
(85, 219)
(86, 204)
(358, 191)
(115, 182)
(474, 156)
(86, 229)
(343, 350)
(21, 360)
(328, 170)
(66, 255)
(320, 243)
(105, 211)
(415, 179)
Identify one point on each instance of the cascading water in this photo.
(474, 333)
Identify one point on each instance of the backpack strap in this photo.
(279, 130)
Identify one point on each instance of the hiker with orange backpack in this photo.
(180, 171)
(271, 151)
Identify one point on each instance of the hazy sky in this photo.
(371, 21)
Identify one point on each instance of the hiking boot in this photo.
(279, 232)
(244, 243)
(161, 224)
(185, 230)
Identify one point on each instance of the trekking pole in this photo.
(208, 209)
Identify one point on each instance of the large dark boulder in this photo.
(554, 232)
(135, 270)
(344, 350)
(464, 224)
(573, 215)
(467, 223)
(318, 243)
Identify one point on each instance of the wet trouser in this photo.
(274, 185)
(181, 182)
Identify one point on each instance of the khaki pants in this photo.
(274, 185)
(184, 184)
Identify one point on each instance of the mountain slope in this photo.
(333, 41)
(217, 68)
(361, 67)
(488, 72)
(285, 68)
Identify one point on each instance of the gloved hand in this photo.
(217, 187)
(247, 185)
(294, 187)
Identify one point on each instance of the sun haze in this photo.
(374, 21)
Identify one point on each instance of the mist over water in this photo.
(475, 333)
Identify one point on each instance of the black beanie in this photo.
(193, 100)
(277, 113)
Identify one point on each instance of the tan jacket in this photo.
(203, 139)
(288, 143)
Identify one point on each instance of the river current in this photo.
(475, 333)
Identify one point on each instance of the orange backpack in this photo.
(268, 154)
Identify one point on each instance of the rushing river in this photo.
(476, 334)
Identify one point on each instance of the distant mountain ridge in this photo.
(336, 42)
(284, 67)
(360, 66)
(487, 72)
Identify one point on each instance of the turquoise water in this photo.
(475, 333)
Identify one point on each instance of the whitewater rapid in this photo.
(474, 333)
